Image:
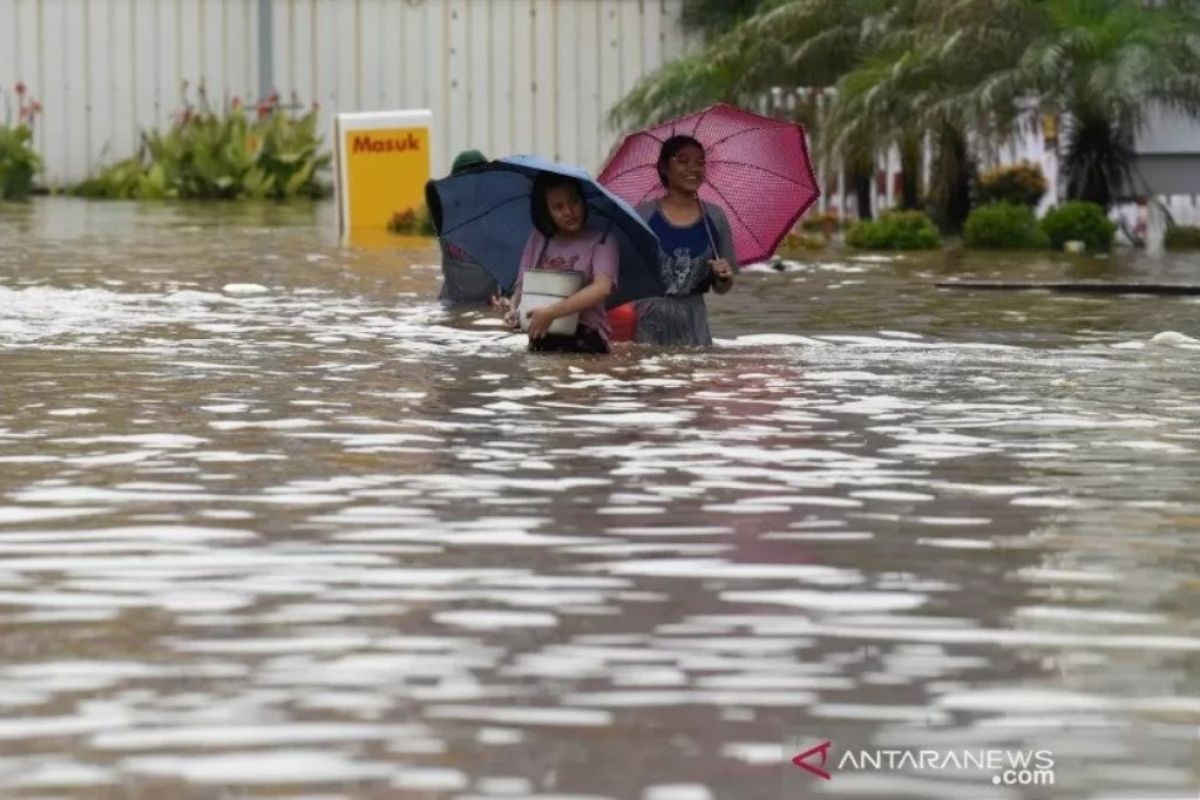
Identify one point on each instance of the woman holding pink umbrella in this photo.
(697, 250)
(719, 187)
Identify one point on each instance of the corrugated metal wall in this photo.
(502, 75)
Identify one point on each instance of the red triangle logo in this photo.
(823, 751)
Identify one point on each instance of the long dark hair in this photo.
(539, 210)
(672, 146)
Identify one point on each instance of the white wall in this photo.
(1171, 133)
(502, 75)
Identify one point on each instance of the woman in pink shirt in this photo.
(563, 240)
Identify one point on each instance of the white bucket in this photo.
(544, 287)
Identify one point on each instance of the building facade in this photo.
(505, 76)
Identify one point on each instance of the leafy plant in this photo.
(895, 230)
(1021, 184)
(1183, 237)
(1079, 220)
(205, 155)
(826, 222)
(807, 240)
(1003, 226)
(19, 162)
(412, 222)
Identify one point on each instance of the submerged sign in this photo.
(383, 162)
(369, 143)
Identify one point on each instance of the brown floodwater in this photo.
(273, 524)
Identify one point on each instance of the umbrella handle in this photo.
(712, 242)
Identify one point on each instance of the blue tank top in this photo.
(685, 255)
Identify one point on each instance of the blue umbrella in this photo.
(485, 212)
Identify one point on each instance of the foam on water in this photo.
(1175, 339)
(271, 768)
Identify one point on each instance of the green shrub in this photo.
(19, 162)
(895, 230)
(825, 222)
(1082, 221)
(1003, 226)
(1021, 184)
(205, 155)
(412, 222)
(1183, 237)
(804, 241)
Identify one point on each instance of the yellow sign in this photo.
(383, 164)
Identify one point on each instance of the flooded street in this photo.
(275, 524)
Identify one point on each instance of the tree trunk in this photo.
(1098, 160)
(960, 199)
(910, 173)
(862, 195)
(950, 192)
(860, 173)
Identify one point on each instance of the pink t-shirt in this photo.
(585, 254)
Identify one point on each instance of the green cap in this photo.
(467, 159)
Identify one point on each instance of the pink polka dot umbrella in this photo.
(758, 171)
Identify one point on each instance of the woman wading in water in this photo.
(464, 283)
(564, 241)
(697, 250)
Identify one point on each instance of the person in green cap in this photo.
(464, 283)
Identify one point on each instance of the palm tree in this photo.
(717, 16)
(1115, 63)
(879, 98)
(792, 43)
(956, 74)
(868, 114)
(775, 43)
(967, 71)
(914, 89)
(1102, 66)
(781, 43)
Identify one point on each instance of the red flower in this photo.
(19, 88)
(27, 111)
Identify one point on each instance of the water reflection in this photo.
(274, 524)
